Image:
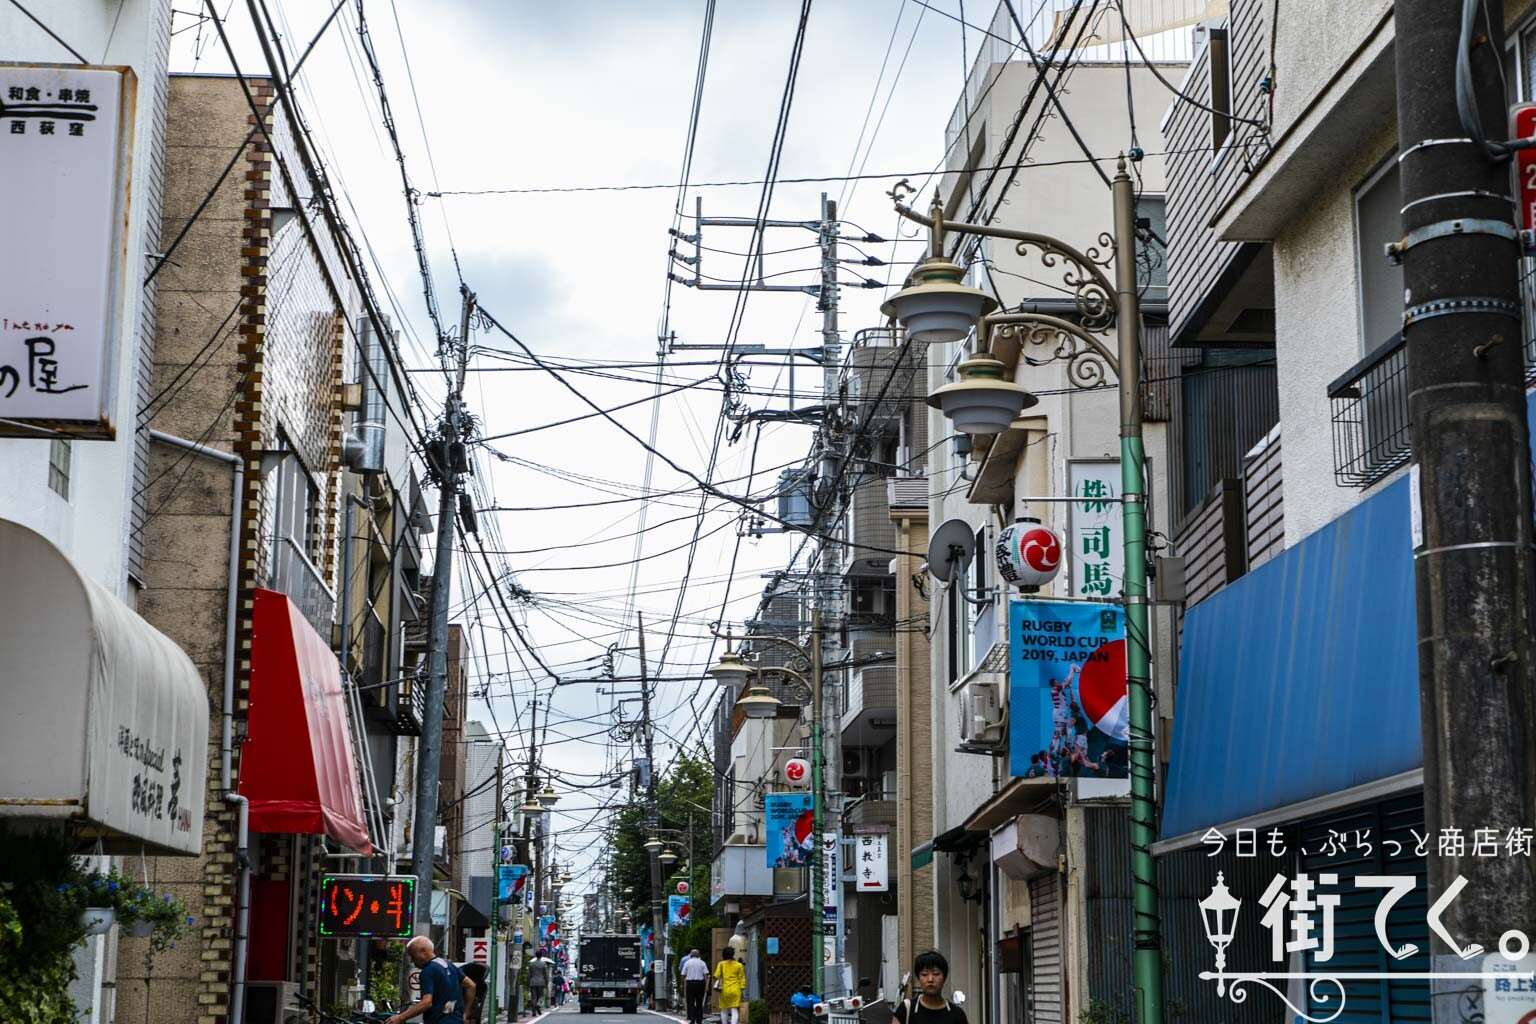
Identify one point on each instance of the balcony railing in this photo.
(411, 709)
(295, 575)
(1371, 435)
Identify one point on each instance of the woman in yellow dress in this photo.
(730, 986)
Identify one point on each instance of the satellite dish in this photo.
(950, 549)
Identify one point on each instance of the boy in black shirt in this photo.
(929, 972)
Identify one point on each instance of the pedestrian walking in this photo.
(648, 986)
(730, 986)
(446, 994)
(540, 970)
(475, 973)
(695, 974)
(929, 1006)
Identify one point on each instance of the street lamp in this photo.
(936, 307)
(548, 797)
(653, 845)
(732, 670)
(667, 858)
(982, 401)
(759, 703)
(1218, 913)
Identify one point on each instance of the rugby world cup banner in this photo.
(787, 827)
(1068, 714)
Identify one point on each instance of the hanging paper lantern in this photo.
(1028, 554)
(797, 770)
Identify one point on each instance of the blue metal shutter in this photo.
(1356, 948)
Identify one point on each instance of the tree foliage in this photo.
(683, 799)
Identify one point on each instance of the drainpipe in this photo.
(227, 729)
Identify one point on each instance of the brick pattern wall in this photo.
(249, 322)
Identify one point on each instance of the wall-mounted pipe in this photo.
(227, 727)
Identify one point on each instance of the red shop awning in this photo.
(296, 766)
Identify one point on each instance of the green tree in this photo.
(683, 798)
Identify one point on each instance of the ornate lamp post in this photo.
(1218, 913)
(734, 671)
(933, 309)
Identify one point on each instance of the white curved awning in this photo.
(105, 719)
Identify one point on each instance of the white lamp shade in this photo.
(758, 703)
(731, 670)
(981, 401)
(938, 317)
(937, 308)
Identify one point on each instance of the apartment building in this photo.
(1299, 559)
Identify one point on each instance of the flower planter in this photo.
(98, 920)
(141, 929)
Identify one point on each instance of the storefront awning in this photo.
(106, 719)
(296, 765)
(1300, 680)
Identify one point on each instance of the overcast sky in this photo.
(520, 95)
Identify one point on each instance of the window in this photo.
(1152, 248)
(59, 456)
(1220, 67)
(298, 502)
(983, 616)
(1377, 222)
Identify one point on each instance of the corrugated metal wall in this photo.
(1184, 879)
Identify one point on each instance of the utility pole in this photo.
(658, 911)
(429, 747)
(828, 585)
(814, 901)
(1147, 954)
(1471, 481)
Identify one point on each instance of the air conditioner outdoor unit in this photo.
(854, 762)
(273, 1002)
(983, 718)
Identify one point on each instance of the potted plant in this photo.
(108, 897)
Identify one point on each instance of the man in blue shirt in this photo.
(446, 995)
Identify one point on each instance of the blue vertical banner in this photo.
(510, 879)
(1068, 713)
(678, 910)
(788, 823)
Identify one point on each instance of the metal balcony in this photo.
(1371, 430)
(295, 575)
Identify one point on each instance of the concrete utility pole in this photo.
(1466, 402)
(652, 821)
(429, 748)
(829, 590)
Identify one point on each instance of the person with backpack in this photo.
(929, 1006)
(446, 994)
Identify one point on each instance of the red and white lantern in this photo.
(797, 771)
(1028, 554)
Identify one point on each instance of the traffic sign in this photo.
(682, 888)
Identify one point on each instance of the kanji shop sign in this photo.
(382, 906)
(1096, 539)
(66, 136)
(1522, 125)
(871, 868)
